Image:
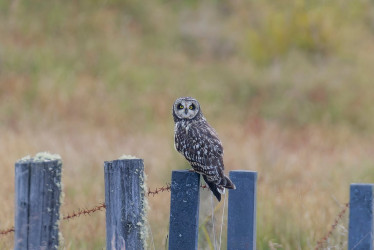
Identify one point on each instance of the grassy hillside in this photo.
(287, 85)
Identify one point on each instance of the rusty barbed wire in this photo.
(338, 218)
(87, 211)
(100, 207)
(74, 214)
(166, 188)
(7, 231)
(159, 190)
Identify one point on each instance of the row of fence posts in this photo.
(38, 200)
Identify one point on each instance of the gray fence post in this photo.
(241, 222)
(184, 210)
(361, 222)
(125, 204)
(37, 201)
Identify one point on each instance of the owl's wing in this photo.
(205, 148)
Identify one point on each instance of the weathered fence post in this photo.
(37, 201)
(125, 204)
(241, 222)
(184, 210)
(361, 221)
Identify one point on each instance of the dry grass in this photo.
(304, 176)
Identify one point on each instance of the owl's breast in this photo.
(179, 137)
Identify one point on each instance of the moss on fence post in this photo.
(126, 205)
(38, 193)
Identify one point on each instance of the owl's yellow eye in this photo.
(180, 106)
(192, 107)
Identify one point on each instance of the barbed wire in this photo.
(167, 188)
(87, 211)
(158, 190)
(7, 231)
(99, 207)
(338, 218)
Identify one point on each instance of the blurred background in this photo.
(287, 85)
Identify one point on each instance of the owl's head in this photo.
(186, 108)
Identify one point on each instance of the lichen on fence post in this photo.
(37, 200)
(126, 205)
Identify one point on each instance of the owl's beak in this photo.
(186, 111)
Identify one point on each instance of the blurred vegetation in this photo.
(297, 62)
(105, 65)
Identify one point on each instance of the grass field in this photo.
(287, 85)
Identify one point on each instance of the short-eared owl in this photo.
(198, 142)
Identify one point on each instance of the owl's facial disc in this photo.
(185, 108)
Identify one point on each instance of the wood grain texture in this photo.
(125, 204)
(37, 200)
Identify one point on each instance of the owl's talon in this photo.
(191, 170)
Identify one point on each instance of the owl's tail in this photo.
(214, 188)
(220, 188)
(227, 183)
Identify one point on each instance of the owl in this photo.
(198, 142)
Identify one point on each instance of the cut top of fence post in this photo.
(361, 216)
(37, 194)
(40, 157)
(125, 204)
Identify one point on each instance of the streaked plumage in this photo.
(198, 142)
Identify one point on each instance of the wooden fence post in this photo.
(125, 204)
(184, 210)
(37, 201)
(361, 216)
(241, 222)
